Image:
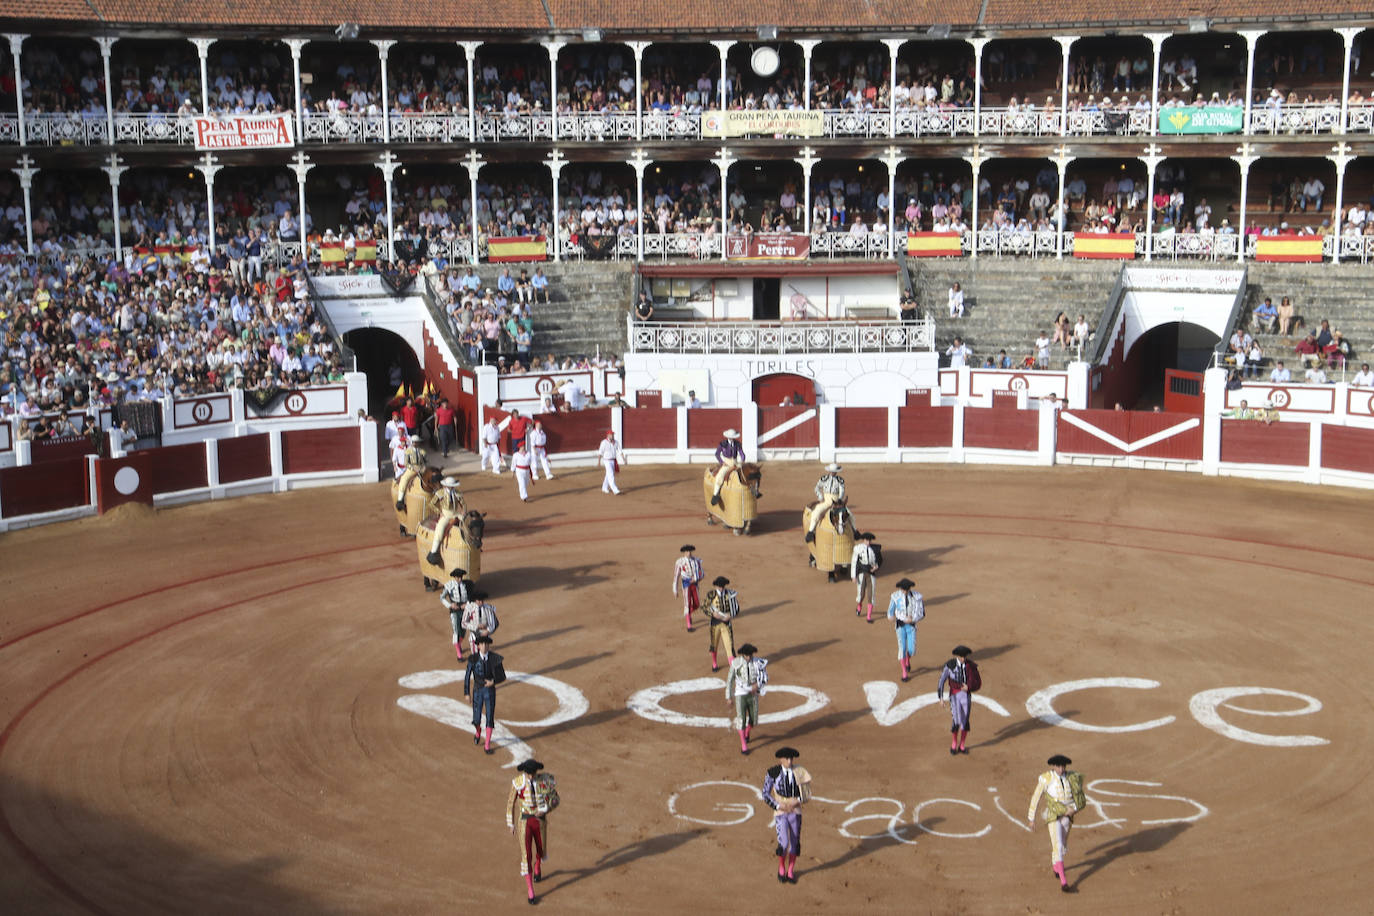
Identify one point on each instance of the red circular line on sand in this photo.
(26, 853)
(175, 585)
(1076, 521)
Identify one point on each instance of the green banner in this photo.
(1224, 120)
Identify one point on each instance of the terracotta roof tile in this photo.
(530, 16)
(734, 15)
(1104, 12)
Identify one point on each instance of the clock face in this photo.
(764, 61)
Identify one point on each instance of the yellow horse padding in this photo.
(416, 497)
(831, 548)
(740, 503)
(456, 552)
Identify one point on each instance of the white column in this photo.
(301, 165)
(978, 45)
(203, 49)
(208, 165)
(723, 47)
(114, 168)
(1252, 37)
(553, 46)
(555, 162)
(16, 52)
(383, 52)
(388, 163)
(1061, 161)
(1243, 158)
(296, 44)
(1065, 43)
(723, 161)
(975, 162)
(637, 48)
(106, 43)
(1348, 36)
(473, 163)
(807, 159)
(470, 53)
(892, 159)
(807, 45)
(892, 45)
(1340, 157)
(26, 171)
(639, 162)
(1157, 40)
(1152, 159)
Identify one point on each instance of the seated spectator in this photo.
(1287, 318)
(1364, 378)
(1308, 349)
(1316, 374)
(1280, 373)
(1266, 315)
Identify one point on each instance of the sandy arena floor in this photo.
(202, 708)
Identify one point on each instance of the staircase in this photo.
(1337, 292)
(587, 308)
(587, 305)
(1009, 301)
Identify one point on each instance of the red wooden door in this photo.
(1182, 391)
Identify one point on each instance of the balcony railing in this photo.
(342, 127)
(497, 127)
(66, 129)
(781, 337)
(594, 127)
(81, 129)
(1316, 118)
(421, 127)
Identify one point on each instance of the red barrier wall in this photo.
(1018, 430)
(451, 387)
(244, 458)
(580, 431)
(47, 487)
(1348, 448)
(307, 451)
(1131, 427)
(803, 435)
(705, 424)
(861, 427)
(134, 472)
(61, 449)
(1251, 442)
(650, 427)
(925, 427)
(177, 467)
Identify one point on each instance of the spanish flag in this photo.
(934, 244)
(331, 254)
(1289, 247)
(516, 248)
(1119, 245)
(365, 253)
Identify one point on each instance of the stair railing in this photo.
(1102, 340)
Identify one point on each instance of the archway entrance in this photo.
(1177, 345)
(389, 362)
(784, 388)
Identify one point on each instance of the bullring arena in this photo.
(205, 706)
(1076, 303)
